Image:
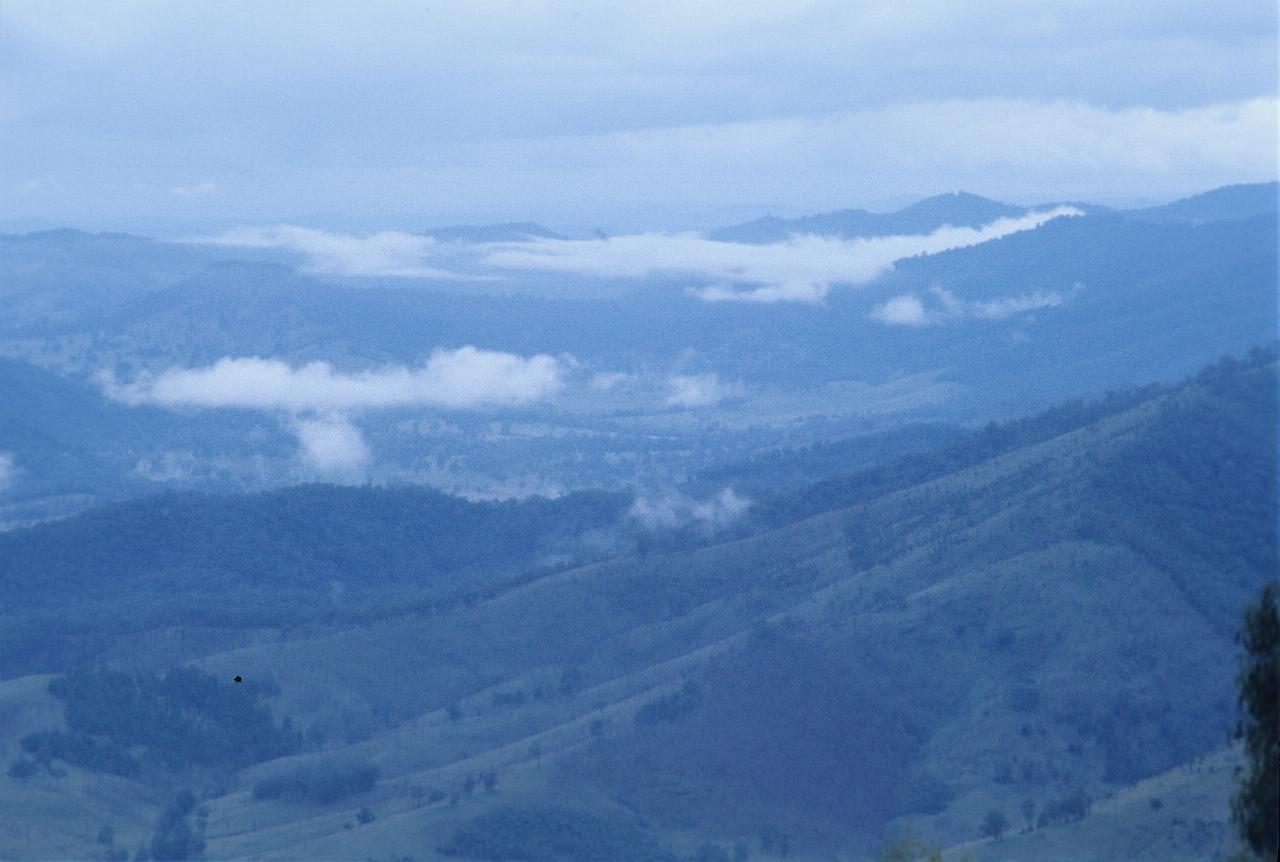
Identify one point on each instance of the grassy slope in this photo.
(995, 648)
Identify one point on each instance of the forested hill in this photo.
(337, 552)
(283, 555)
(1044, 610)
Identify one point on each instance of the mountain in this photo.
(958, 209)
(1222, 204)
(961, 209)
(1042, 610)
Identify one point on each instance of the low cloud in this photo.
(699, 390)
(316, 401)
(804, 268)
(332, 445)
(7, 470)
(910, 310)
(462, 378)
(904, 310)
(674, 510)
(389, 253)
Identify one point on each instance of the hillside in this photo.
(1226, 203)
(958, 209)
(1045, 613)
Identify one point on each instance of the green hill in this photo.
(1042, 612)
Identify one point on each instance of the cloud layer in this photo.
(674, 510)
(389, 253)
(332, 444)
(317, 402)
(909, 310)
(462, 378)
(582, 111)
(802, 269)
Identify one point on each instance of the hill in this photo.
(1046, 613)
(957, 209)
(1223, 204)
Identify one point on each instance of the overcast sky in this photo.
(404, 114)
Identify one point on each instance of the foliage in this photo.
(1072, 807)
(994, 824)
(908, 848)
(118, 721)
(321, 784)
(298, 554)
(1258, 798)
(174, 838)
(671, 707)
(536, 834)
(22, 768)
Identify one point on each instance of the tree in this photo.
(994, 824)
(1029, 811)
(908, 848)
(1258, 797)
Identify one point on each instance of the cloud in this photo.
(699, 390)
(332, 444)
(1001, 308)
(316, 401)
(459, 379)
(909, 310)
(804, 268)
(673, 510)
(901, 311)
(199, 190)
(389, 253)
(7, 470)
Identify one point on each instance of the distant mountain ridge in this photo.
(1221, 204)
(958, 209)
(962, 209)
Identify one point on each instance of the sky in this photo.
(658, 115)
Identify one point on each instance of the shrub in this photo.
(321, 785)
(22, 768)
(538, 834)
(672, 706)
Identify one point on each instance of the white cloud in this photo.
(7, 470)
(909, 310)
(801, 269)
(699, 390)
(317, 401)
(673, 510)
(389, 253)
(462, 378)
(1001, 308)
(332, 444)
(904, 310)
